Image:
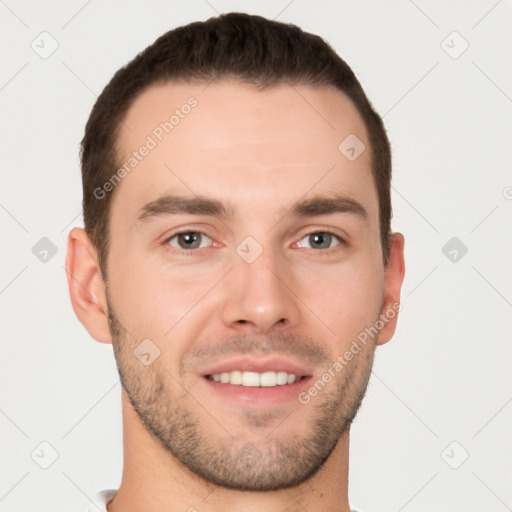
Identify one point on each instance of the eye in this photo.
(320, 240)
(189, 240)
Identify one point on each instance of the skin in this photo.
(258, 152)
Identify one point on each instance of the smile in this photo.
(254, 379)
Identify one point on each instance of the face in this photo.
(245, 259)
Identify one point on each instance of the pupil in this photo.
(322, 240)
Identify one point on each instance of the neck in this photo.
(155, 481)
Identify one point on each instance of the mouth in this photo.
(256, 382)
(250, 379)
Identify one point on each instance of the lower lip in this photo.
(261, 396)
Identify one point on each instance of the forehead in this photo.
(234, 113)
(228, 136)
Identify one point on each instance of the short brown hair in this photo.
(240, 46)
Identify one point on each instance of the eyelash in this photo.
(189, 252)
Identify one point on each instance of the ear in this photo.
(86, 285)
(393, 279)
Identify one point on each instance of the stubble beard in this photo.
(173, 418)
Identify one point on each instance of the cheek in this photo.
(152, 299)
(348, 300)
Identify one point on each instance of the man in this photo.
(237, 253)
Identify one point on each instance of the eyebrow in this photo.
(328, 205)
(201, 205)
(173, 205)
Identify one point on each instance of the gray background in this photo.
(441, 388)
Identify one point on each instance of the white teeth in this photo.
(251, 379)
(235, 377)
(268, 379)
(282, 378)
(255, 379)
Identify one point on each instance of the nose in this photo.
(261, 297)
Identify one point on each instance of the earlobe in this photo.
(393, 279)
(86, 285)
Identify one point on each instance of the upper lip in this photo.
(251, 364)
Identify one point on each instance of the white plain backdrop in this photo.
(434, 430)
